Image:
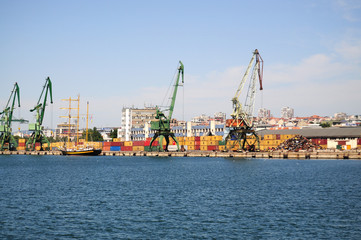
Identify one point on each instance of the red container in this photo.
(115, 144)
(107, 144)
(148, 139)
(197, 138)
(146, 143)
(278, 136)
(323, 141)
(37, 144)
(121, 144)
(197, 147)
(197, 143)
(107, 148)
(127, 148)
(21, 144)
(138, 143)
(359, 141)
(212, 148)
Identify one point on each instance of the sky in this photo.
(117, 54)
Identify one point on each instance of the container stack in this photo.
(21, 144)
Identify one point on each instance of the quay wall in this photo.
(355, 154)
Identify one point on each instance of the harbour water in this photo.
(64, 197)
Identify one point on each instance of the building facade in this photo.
(287, 112)
(135, 118)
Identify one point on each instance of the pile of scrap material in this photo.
(298, 143)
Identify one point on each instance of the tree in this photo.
(325, 124)
(93, 135)
(113, 133)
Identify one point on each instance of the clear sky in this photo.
(125, 53)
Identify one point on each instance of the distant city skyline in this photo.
(123, 53)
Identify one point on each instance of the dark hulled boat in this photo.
(82, 152)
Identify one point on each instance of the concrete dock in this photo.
(354, 154)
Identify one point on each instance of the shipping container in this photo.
(115, 148)
(204, 143)
(22, 140)
(197, 143)
(197, 138)
(359, 141)
(116, 140)
(138, 143)
(221, 147)
(222, 143)
(107, 144)
(213, 143)
(138, 148)
(127, 148)
(196, 147)
(203, 148)
(191, 147)
(128, 144)
(115, 144)
(216, 138)
(212, 148)
(106, 148)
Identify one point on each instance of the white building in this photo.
(287, 112)
(135, 118)
(264, 113)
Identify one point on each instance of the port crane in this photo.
(240, 126)
(161, 125)
(6, 138)
(38, 136)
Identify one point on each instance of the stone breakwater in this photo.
(356, 154)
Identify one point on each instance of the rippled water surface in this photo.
(59, 197)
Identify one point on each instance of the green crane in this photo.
(162, 125)
(38, 136)
(6, 138)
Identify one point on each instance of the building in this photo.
(287, 113)
(135, 118)
(264, 113)
(219, 118)
(62, 130)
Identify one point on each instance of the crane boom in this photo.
(38, 136)
(161, 126)
(180, 71)
(241, 124)
(7, 118)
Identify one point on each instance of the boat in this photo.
(79, 150)
(89, 151)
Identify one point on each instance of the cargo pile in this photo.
(298, 143)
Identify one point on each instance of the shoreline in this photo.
(353, 154)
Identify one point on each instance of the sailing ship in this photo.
(79, 150)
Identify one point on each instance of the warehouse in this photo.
(341, 138)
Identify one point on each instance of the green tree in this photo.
(113, 133)
(325, 124)
(93, 135)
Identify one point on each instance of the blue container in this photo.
(115, 148)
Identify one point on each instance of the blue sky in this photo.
(125, 53)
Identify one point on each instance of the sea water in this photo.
(64, 197)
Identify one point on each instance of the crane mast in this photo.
(162, 125)
(38, 136)
(6, 138)
(240, 126)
